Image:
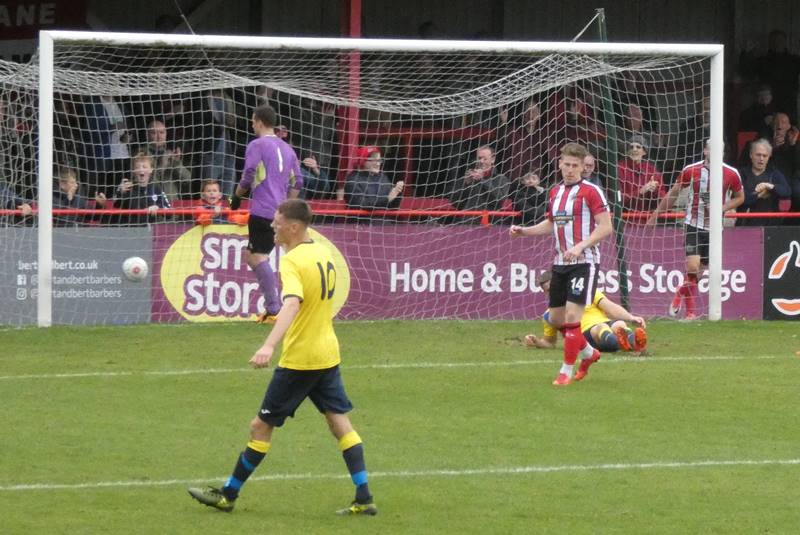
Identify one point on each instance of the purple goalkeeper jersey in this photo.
(270, 170)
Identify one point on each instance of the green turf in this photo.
(463, 432)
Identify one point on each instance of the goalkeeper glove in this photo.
(235, 202)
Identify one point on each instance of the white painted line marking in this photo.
(390, 366)
(488, 471)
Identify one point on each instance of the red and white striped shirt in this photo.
(572, 210)
(697, 175)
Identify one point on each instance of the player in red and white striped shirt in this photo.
(578, 217)
(697, 223)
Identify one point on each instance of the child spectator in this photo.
(211, 199)
(530, 198)
(138, 195)
(68, 195)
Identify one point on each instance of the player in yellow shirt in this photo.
(603, 325)
(309, 364)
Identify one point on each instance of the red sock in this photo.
(573, 342)
(683, 290)
(691, 292)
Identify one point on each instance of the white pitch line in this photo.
(488, 471)
(389, 366)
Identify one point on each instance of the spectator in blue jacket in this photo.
(764, 186)
(368, 188)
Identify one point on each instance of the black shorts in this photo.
(575, 283)
(696, 243)
(288, 388)
(262, 237)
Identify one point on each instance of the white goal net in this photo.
(417, 156)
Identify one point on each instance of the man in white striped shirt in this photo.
(579, 218)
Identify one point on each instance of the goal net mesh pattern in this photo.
(474, 137)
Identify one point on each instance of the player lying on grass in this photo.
(603, 325)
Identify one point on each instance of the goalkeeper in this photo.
(271, 174)
(603, 325)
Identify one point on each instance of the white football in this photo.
(135, 268)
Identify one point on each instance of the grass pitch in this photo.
(102, 430)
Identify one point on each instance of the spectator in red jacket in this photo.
(640, 182)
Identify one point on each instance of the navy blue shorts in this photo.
(261, 235)
(289, 388)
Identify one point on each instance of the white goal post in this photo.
(48, 77)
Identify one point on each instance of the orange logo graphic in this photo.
(788, 307)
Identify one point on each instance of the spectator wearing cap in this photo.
(368, 187)
(640, 182)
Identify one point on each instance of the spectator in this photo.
(779, 68)
(640, 182)
(6, 142)
(68, 149)
(138, 195)
(368, 188)
(530, 198)
(578, 110)
(785, 155)
(9, 200)
(108, 150)
(320, 138)
(218, 162)
(316, 181)
(482, 187)
(282, 132)
(763, 186)
(529, 145)
(68, 195)
(17, 141)
(589, 173)
(211, 199)
(694, 133)
(169, 172)
(758, 117)
(635, 125)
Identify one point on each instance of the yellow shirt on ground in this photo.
(592, 315)
(308, 272)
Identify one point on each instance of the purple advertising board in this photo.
(429, 271)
